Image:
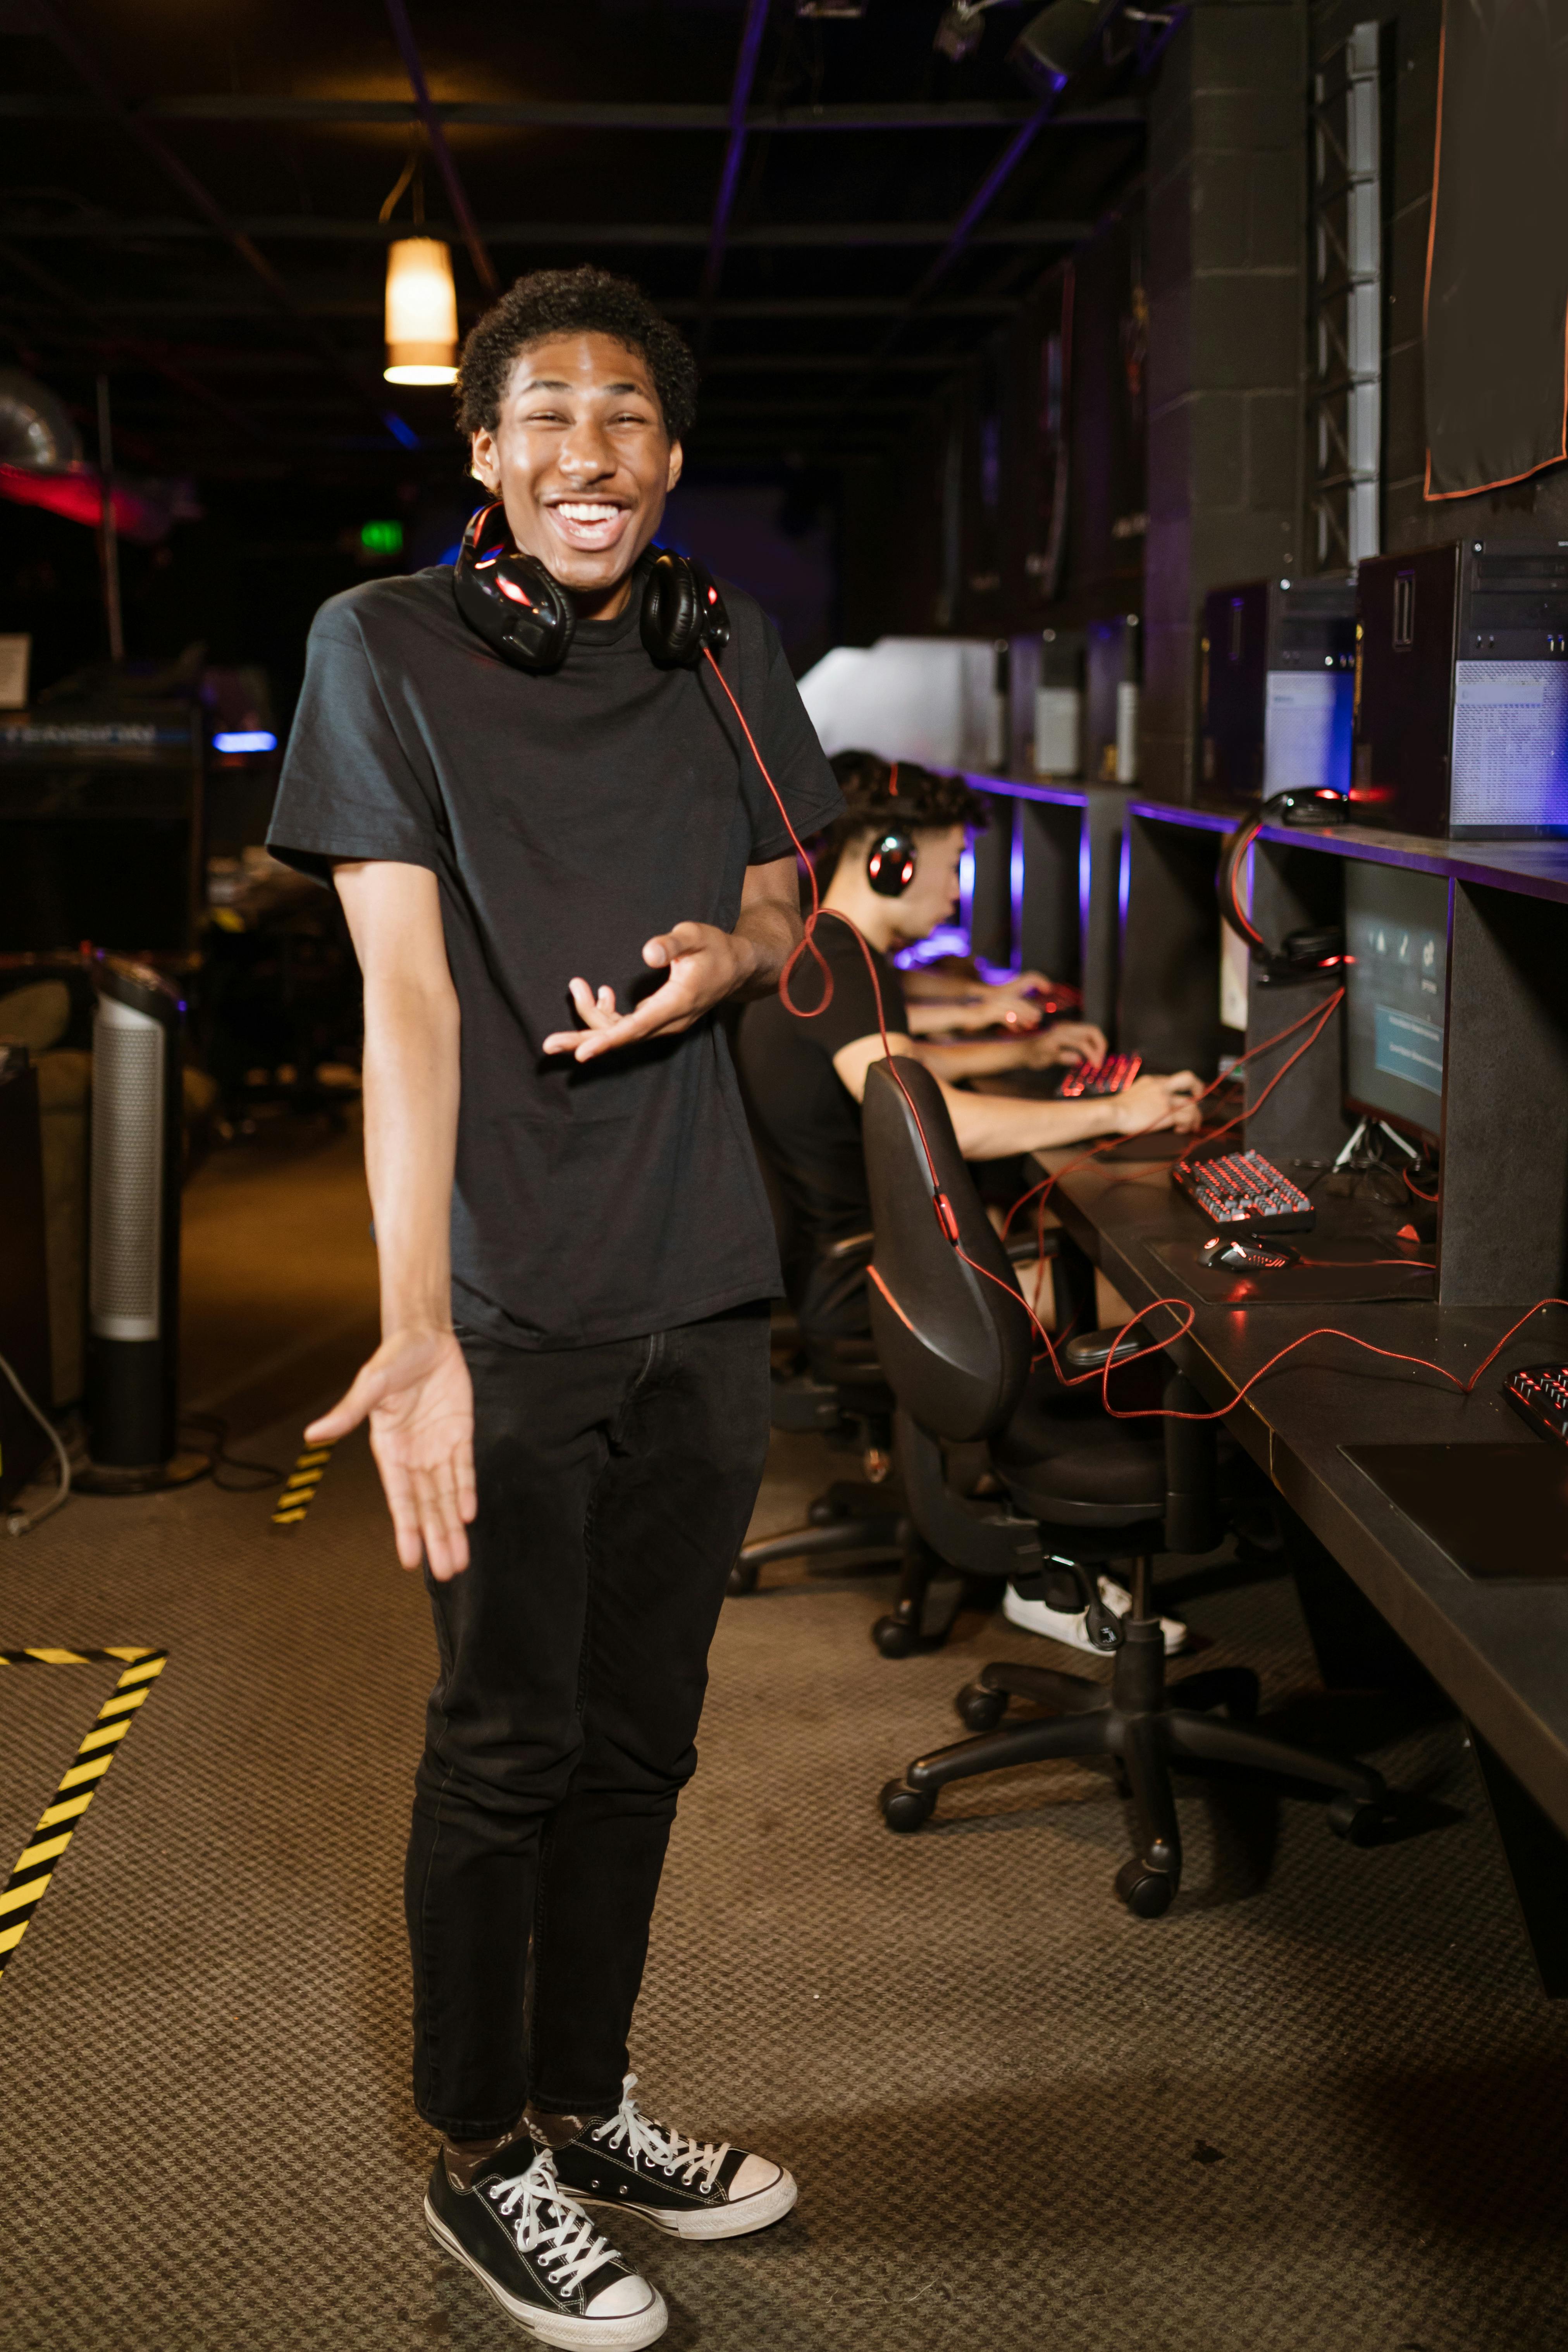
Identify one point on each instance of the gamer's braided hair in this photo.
(585, 301)
(913, 797)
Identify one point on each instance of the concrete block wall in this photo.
(1227, 251)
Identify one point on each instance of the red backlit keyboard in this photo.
(1110, 1077)
(1540, 1394)
(1244, 1192)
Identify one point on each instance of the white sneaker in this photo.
(1067, 1625)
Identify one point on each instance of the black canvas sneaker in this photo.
(531, 2244)
(685, 2185)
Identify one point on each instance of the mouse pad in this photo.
(1454, 1492)
(1345, 1271)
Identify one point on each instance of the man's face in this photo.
(933, 898)
(581, 462)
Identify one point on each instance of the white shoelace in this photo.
(546, 2220)
(653, 2143)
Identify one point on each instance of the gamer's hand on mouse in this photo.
(1150, 1104)
(1071, 1041)
(705, 965)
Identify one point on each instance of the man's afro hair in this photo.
(585, 301)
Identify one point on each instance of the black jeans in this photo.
(614, 1484)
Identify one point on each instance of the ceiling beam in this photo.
(569, 114)
(179, 308)
(457, 194)
(312, 228)
(48, 17)
(751, 49)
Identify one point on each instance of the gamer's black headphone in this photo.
(518, 606)
(1316, 948)
(892, 861)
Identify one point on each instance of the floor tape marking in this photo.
(35, 1866)
(299, 1486)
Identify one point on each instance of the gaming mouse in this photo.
(1242, 1250)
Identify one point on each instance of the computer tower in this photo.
(1113, 678)
(133, 1262)
(1278, 662)
(1461, 723)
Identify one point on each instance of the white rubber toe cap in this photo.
(627, 2298)
(755, 2175)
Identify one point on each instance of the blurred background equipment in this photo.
(133, 1276)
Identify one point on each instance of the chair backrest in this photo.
(953, 1343)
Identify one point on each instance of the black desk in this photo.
(1499, 1651)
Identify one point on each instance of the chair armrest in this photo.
(853, 1245)
(1024, 1248)
(1092, 1350)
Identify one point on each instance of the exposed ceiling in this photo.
(836, 213)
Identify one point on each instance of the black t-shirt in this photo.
(567, 818)
(810, 1121)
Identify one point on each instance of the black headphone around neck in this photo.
(1316, 947)
(521, 610)
(892, 861)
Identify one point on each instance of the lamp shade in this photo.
(421, 312)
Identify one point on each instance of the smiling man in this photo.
(551, 881)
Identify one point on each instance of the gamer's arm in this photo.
(415, 1390)
(994, 1126)
(705, 965)
(1066, 1041)
(948, 1000)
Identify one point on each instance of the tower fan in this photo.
(134, 1263)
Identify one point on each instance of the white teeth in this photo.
(577, 513)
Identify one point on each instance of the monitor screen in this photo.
(1396, 965)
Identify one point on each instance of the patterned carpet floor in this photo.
(1318, 2108)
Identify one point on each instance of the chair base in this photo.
(850, 1515)
(915, 1625)
(1146, 1731)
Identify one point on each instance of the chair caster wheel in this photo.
(894, 1637)
(1148, 1894)
(742, 1579)
(905, 1808)
(1360, 1821)
(979, 1707)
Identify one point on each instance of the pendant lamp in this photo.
(421, 312)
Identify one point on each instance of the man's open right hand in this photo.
(417, 1397)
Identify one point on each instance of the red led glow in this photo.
(510, 588)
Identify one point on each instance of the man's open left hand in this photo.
(705, 965)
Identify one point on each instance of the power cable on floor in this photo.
(21, 1523)
(264, 1474)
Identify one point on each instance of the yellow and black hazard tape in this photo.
(24, 1890)
(300, 1484)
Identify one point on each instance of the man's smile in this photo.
(592, 524)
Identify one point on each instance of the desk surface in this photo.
(1500, 1652)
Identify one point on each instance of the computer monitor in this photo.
(1396, 982)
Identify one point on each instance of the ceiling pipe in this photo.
(579, 115)
(457, 194)
(751, 48)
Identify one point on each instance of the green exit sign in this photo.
(381, 538)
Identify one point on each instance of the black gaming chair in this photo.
(1081, 1489)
